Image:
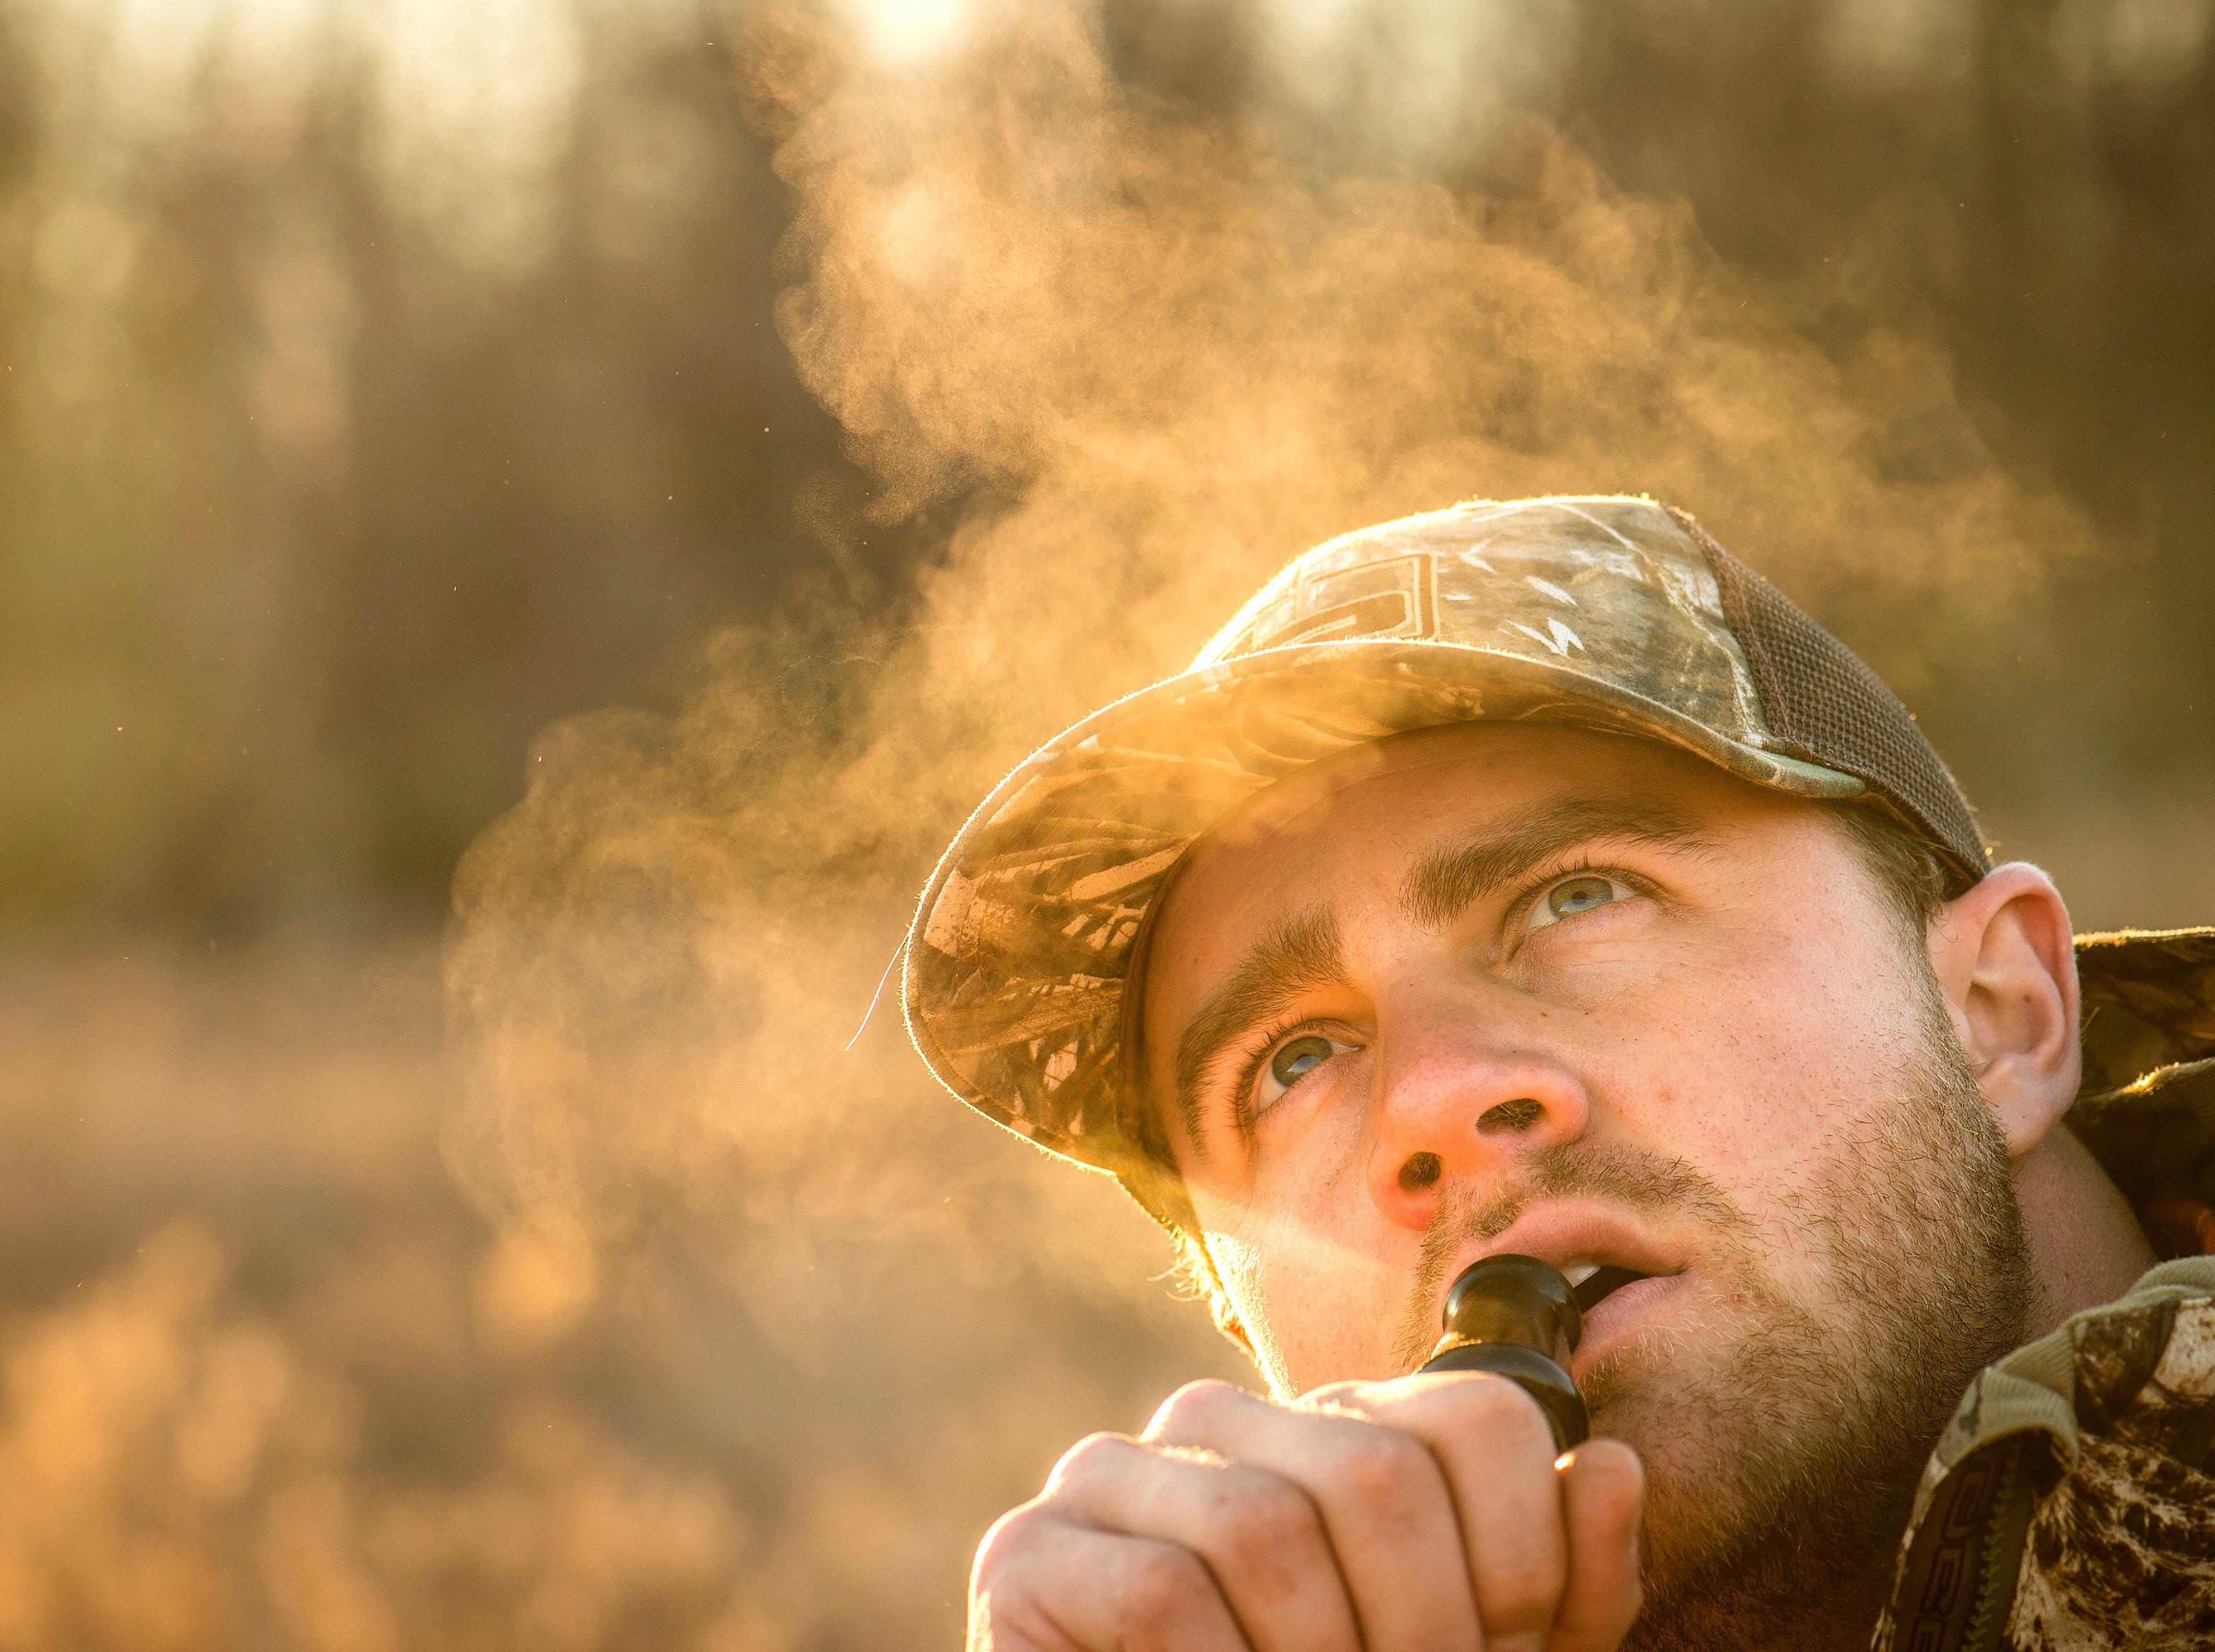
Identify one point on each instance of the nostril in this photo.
(1518, 1116)
(1421, 1171)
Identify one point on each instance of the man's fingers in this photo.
(1381, 1498)
(1044, 1585)
(1602, 1502)
(1553, 1547)
(1440, 1496)
(1497, 1450)
(1261, 1535)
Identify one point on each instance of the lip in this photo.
(1619, 1315)
(1570, 1232)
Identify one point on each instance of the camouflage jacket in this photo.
(2070, 1506)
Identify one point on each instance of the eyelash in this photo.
(1266, 1045)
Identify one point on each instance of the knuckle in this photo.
(1263, 1524)
(1004, 1544)
(1164, 1587)
(1009, 1537)
(1605, 1492)
(1335, 1396)
(1379, 1467)
(1194, 1407)
(1614, 1466)
(1095, 1455)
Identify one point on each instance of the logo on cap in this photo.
(1395, 598)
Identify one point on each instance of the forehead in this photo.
(1363, 817)
(1390, 798)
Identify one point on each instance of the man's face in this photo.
(1512, 988)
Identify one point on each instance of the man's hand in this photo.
(1424, 1515)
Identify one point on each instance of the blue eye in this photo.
(1291, 1061)
(1572, 895)
(1297, 1057)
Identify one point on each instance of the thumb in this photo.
(1602, 1503)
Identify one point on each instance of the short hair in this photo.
(1914, 880)
(1911, 874)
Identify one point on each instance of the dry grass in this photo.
(268, 1380)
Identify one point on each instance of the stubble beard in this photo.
(1780, 1482)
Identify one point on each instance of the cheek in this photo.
(1317, 1287)
(1767, 1063)
(1769, 1014)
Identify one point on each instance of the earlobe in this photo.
(2005, 961)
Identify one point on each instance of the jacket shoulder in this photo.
(2121, 1553)
(2070, 1507)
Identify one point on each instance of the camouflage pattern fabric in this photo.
(2148, 1104)
(2121, 1556)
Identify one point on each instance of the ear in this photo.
(2005, 960)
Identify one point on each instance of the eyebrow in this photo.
(1448, 881)
(1303, 951)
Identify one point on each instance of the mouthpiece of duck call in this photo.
(1517, 1317)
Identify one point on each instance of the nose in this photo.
(1461, 1091)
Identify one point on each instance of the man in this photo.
(1535, 878)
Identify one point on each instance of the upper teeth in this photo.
(1580, 1272)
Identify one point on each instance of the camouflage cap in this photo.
(1614, 614)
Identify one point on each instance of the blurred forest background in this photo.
(389, 391)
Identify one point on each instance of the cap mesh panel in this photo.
(1825, 706)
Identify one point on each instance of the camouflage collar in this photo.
(2147, 1107)
(2065, 1506)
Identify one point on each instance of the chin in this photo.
(1645, 1388)
(1684, 1432)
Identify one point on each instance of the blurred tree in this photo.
(317, 509)
(335, 461)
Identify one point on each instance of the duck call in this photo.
(1518, 1317)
